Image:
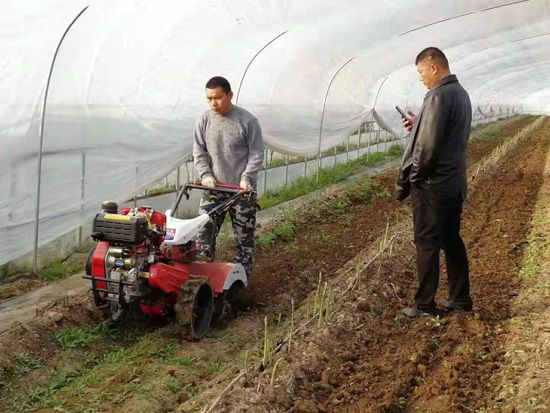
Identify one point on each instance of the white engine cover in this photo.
(181, 231)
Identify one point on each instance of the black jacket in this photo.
(435, 157)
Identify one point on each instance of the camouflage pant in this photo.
(243, 219)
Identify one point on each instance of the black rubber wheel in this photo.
(223, 312)
(118, 315)
(89, 262)
(239, 296)
(202, 311)
(194, 308)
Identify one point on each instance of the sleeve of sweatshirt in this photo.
(255, 144)
(202, 160)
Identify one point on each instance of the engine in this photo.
(131, 240)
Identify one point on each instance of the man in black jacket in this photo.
(433, 172)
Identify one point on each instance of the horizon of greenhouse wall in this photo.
(63, 246)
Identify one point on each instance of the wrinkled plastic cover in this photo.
(128, 83)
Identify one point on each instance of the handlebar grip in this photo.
(218, 188)
(225, 186)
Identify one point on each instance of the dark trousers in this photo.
(436, 221)
(243, 219)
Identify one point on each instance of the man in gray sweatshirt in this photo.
(228, 149)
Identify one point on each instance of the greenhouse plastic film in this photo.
(128, 84)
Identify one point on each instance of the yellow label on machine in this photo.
(117, 217)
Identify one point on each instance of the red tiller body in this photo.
(135, 265)
(170, 277)
(98, 262)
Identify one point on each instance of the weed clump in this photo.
(61, 269)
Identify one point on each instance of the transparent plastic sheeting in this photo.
(128, 82)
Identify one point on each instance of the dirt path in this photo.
(74, 364)
(20, 309)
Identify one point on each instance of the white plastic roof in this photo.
(128, 83)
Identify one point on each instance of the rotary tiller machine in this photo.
(148, 260)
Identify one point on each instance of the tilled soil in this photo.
(384, 365)
(324, 244)
(372, 359)
(484, 146)
(496, 224)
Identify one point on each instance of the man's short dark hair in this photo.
(435, 55)
(218, 81)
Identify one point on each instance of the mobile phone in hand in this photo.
(403, 114)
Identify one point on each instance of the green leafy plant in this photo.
(489, 133)
(182, 361)
(340, 202)
(61, 269)
(395, 150)
(174, 385)
(215, 368)
(285, 229)
(26, 362)
(76, 337)
(265, 241)
(402, 402)
(480, 356)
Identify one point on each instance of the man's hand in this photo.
(245, 185)
(402, 192)
(409, 123)
(209, 181)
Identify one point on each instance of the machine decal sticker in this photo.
(170, 233)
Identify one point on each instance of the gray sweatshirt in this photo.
(228, 147)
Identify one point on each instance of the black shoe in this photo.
(450, 305)
(413, 312)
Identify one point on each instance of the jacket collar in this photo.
(446, 80)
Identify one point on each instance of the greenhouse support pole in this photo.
(373, 121)
(82, 191)
(187, 171)
(369, 142)
(323, 115)
(265, 170)
(359, 141)
(136, 186)
(286, 170)
(41, 141)
(319, 161)
(250, 63)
